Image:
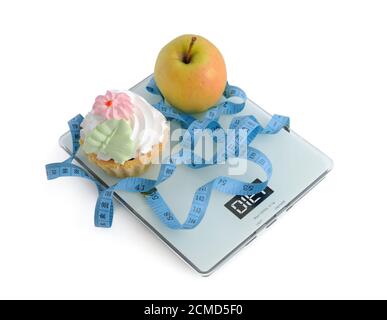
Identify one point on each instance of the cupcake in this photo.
(123, 133)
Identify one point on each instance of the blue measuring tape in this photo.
(103, 215)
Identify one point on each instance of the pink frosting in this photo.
(113, 106)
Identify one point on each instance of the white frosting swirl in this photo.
(148, 125)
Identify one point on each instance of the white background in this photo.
(323, 63)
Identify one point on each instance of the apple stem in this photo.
(187, 56)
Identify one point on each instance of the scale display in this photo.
(241, 206)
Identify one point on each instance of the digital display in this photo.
(241, 206)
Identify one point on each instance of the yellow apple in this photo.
(190, 73)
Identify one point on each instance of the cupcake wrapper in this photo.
(130, 168)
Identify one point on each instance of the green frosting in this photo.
(111, 138)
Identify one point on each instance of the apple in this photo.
(190, 73)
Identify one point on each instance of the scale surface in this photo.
(231, 222)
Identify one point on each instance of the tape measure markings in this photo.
(104, 209)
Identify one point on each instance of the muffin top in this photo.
(121, 126)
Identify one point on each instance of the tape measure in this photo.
(246, 128)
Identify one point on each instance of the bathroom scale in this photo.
(231, 222)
